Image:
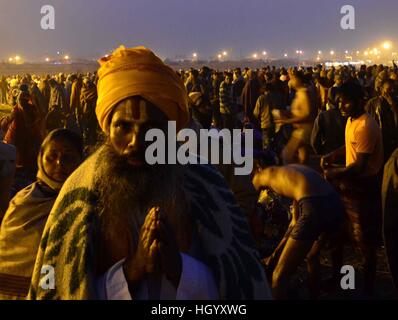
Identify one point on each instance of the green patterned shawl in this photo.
(223, 233)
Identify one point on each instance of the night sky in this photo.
(90, 28)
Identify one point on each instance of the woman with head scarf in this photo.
(21, 229)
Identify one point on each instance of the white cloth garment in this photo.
(196, 283)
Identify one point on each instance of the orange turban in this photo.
(139, 72)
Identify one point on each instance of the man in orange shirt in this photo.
(359, 180)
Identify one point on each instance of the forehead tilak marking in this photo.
(134, 110)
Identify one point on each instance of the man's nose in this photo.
(340, 106)
(135, 141)
(60, 162)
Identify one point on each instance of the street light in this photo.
(47, 59)
(319, 52)
(66, 57)
(219, 56)
(17, 58)
(332, 53)
(285, 55)
(11, 59)
(264, 53)
(255, 55)
(387, 45)
(225, 53)
(195, 55)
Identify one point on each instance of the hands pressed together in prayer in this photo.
(157, 252)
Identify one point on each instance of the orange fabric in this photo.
(139, 72)
(363, 135)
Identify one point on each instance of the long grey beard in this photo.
(127, 193)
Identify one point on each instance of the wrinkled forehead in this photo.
(138, 109)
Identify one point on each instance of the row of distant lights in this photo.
(66, 57)
(224, 54)
(18, 58)
(386, 45)
(298, 52)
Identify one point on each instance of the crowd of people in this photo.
(77, 194)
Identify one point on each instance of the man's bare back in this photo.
(293, 181)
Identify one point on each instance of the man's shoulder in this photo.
(370, 122)
(366, 124)
(264, 97)
(374, 100)
(373, 103)
(332, 113)
(325, 113)
(201, 169)
(87, 173)
(394, 157)
(24, 193)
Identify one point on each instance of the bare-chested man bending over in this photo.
(317, 210)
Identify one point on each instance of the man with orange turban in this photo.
(123, 229)
(139, 72)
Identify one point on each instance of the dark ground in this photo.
(384, 289)
(384, 286)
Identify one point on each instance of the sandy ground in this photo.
(384, 289)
